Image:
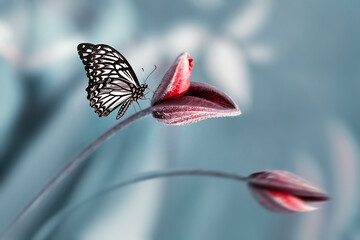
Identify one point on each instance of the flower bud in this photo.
(281, 191)
(178, 102)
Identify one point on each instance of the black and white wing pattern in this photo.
(112, 81)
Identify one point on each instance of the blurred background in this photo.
(291, 66)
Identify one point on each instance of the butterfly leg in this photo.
(134, 107)
(138, 105)
(149, 90)
(143, 97)
(146, 94)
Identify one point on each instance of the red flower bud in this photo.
(281, 191)
(176, 80)
(179, 102)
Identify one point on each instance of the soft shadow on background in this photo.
(292, 67)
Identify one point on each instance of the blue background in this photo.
(291, 66)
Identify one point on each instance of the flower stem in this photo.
(153, 175)
(174, 173)
(72, 165)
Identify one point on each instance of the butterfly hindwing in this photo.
(105, 97)
(124, 107)
(111, 78)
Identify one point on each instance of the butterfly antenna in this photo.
(155, 67)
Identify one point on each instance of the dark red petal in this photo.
(201, 101)
(279, 202)
(176, 80)
(211, 94)
(286, 182)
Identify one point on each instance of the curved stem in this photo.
(149, 176)
(72, 165)
(174, 173)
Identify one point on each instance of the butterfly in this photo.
(112, 81)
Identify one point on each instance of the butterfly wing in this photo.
(111, 78)
(124, 107)
(110, 63)
(85, 53)
(105, 97)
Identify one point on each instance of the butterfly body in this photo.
(138, 92)
(112, 81)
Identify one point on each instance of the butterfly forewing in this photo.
(85, 53)
(110, 63)
(111, 78)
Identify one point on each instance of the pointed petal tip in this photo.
(187, 57)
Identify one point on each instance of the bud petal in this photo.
(281, 191)
(176, 80)
(279, 202)
(201, 101)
